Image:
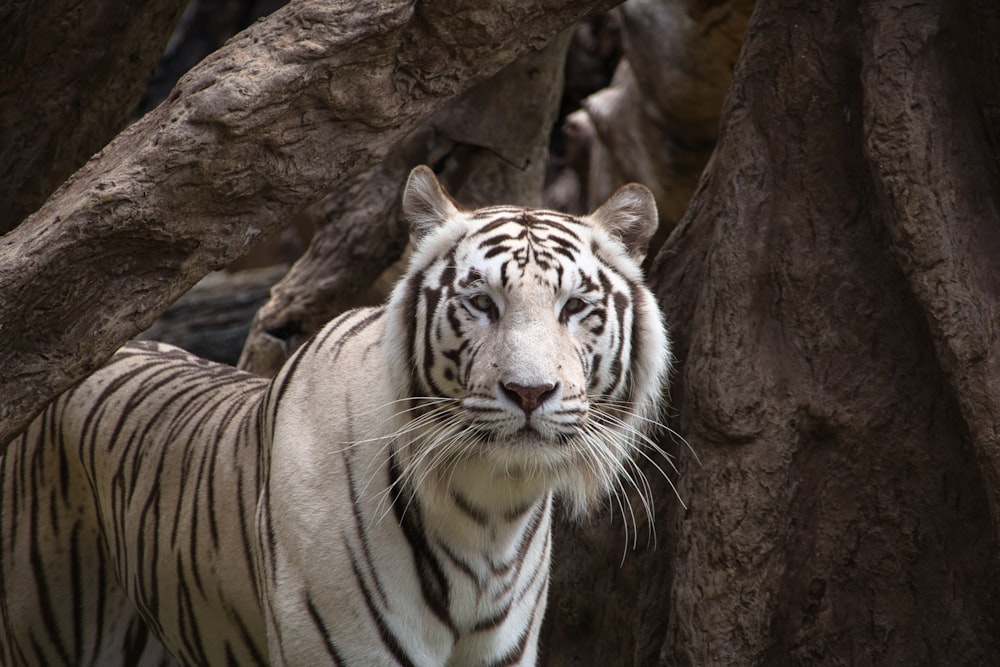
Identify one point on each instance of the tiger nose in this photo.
(528, 397)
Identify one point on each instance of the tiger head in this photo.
(527, 339)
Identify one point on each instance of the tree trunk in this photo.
(658, 121)
(287, 110)
(834, 294)
(71, 74)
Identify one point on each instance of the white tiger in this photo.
(386, 499)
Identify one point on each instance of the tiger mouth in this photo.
(526, 435)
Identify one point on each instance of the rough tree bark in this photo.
(287, 110)
(71, 74)
(834, 294)
(658, 121)
(204, 27)
(490, 145)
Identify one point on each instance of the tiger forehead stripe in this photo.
(542, 241)
(530, 219)
(492, 211)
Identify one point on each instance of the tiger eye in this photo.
(482, 302)
(574, 305)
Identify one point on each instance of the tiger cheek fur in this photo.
(386, 499)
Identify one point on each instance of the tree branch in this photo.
(490, 144)
(68, 86)
(286, 111)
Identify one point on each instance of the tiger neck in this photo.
(475, 508)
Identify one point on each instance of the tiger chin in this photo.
(386, 499)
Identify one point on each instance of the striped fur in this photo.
(386, 499)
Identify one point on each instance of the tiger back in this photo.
(386, 499)
(127, 516)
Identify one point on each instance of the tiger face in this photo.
(531, 334)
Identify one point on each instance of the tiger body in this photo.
(386, 499)
(146, 538)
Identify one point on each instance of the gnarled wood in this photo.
(658, 121)
(490, 144)
(287, 110)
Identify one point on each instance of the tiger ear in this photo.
(630, 216)
(425, 203)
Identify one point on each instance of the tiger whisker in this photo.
(617, 490)
(642, 437)
(440, 437)
(402, 442)
(621, 476)
(627, 407)
(656, 448)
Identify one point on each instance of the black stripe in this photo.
(76, 576)
(272, 540)
(491, 212)
(494, 241)
(618, 367)
(249, 541)
(136, 640)
(494, 224)
(88, 431)
(409, 305)
(187, 625)
(539, 571)
(284, 377)
(431, 298)
(517, 512)
(249, 641)
(565, 243)
(467, 508)
(231, 660)
(49, 620)
(496, 250)
(331, 649)
(433, 583)
(516, 652)
(556, 220)
(389, 638)
(462, 566)
(527, 539)
(360, 523)
(102, 587)
(494, 621)
(565, 253)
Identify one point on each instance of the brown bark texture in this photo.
(657, 123)
(71, 74)
(834, 296)
(489, 144)
(289, 109)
